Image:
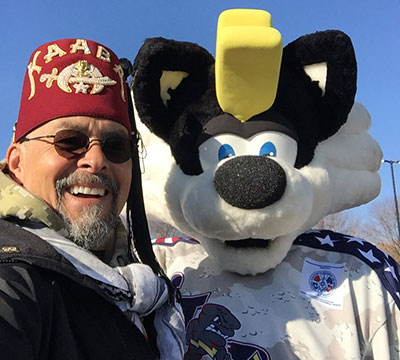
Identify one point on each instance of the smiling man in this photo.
(71, 287)
(85, 188)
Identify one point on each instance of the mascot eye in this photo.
(268, 149)
(225, 151)
(217, 320)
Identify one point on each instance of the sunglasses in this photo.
(72, 144)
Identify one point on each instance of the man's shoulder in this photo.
(18, 243)
(19, 246)
(22, 254)
(25, 288)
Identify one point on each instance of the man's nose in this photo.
(94, 158)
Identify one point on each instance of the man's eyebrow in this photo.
(67, 125)
(115, 132)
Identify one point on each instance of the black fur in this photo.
(316, 117)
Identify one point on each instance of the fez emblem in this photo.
(81, 75)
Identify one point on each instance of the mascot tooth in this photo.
(245, 154)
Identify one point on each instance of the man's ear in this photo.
(13, 160)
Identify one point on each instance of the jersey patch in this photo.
(384, 265)
(322, 282)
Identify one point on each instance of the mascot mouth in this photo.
(249, 243)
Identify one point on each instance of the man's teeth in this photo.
(76, 190)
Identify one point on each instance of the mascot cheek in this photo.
(201, 206)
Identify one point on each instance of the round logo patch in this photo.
(323, 282)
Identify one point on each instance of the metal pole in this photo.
(391, 162)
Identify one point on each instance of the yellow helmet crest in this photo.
(247, 62)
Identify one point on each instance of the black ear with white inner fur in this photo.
(317, 86)
(169, 75)
(328, 59)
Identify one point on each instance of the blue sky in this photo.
(123, 25)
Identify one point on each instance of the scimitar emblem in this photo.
(82, 75)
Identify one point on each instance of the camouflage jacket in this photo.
(332, 297)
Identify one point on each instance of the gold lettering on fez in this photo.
(32, 66)
(80, 44)
(118, 69)
(53, 50)
(103, 54)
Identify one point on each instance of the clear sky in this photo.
(122, 25)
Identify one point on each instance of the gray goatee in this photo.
(92, 228)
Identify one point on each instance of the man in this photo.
(67, 288)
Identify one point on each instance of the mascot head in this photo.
(247, 151)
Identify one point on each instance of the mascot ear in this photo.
(326, 61)
(168, 76)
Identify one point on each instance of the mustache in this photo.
(64, 183)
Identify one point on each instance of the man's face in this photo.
(41, 169)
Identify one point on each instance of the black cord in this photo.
(138, 230)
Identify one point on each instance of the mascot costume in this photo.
(245, 154)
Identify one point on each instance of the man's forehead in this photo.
(85, 124)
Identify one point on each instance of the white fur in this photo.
(170, 80)
(318, 72)
(343, 174)
(209, 215)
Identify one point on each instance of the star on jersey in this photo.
(326, 241)
(390, 269)
(370, 256)
(352, 239)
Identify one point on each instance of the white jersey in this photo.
(332, 297)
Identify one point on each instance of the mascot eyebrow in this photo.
(226, 123)
(245, 161)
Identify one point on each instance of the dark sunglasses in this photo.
(73, 144)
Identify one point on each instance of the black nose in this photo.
(250, 182)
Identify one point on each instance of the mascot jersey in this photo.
(332, 297)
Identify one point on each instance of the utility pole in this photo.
(391, 162)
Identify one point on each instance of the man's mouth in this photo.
(87, 191)
(248, 243)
